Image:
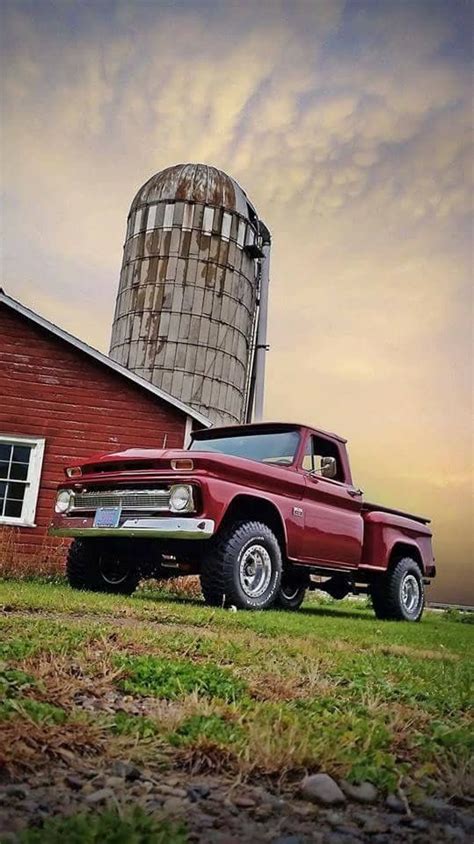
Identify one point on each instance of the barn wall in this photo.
(50, 389)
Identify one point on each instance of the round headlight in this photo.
(181, 498)
(63, 501)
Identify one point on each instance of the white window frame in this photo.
(27, 518)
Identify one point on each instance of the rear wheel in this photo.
(400, 594)
(102, 566)
(243, 567)
(292, 591)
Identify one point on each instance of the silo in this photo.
(187, 309)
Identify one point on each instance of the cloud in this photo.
(350, 127)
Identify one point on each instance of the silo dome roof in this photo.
(194, 183)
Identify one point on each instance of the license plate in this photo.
(107, 517)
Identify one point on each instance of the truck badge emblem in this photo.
(297, 511)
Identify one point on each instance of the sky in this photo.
(349, 124)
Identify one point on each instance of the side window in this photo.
(316, 449)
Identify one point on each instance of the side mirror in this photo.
(328, 467)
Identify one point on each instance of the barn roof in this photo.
(14, 305)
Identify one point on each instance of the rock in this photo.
(335, 819)
(453, 833)
(419, 824)
(263, 812)
(288, 839)
(174, 805)
(100, 796)
(20, 791)
(374, 825)
(395, 804)
(436, 807)
(113, 782)
(73, 782)
(321, 788)
(340, 838)
(30, 807)
(365, 792)
(197, 792)
(244, 801)
(171, 791)
(126, 770)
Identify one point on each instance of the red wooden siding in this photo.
(50, 389)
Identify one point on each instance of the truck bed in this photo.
(367, 507)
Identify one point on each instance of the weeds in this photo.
(172, 679)
(135, 827)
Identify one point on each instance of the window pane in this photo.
(21, 453)
(151, 220)
(226, 224)
(19, 471)
(208, 220)
(138, 221)
(13, 508)
(250, 236)
(3, 488)
(188, 217)
(241, 234)
(4, 469)
(5, 451)
(168, 219)
(16, 491)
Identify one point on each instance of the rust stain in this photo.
(192, 183)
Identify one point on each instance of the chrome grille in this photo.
(128, 499)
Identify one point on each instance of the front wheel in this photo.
(400, 594)
(102, 566)
(243, 567)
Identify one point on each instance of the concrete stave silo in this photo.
(188, 301)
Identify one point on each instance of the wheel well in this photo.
(253, 508)
(404, 549)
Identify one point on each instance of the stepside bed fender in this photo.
(387, 536)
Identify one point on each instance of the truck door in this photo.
(333, 524)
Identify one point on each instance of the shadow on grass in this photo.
(361, 614)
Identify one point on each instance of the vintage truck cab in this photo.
(258, 511)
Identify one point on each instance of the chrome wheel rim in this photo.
(255, 571)
(113, 570)
(410, 593)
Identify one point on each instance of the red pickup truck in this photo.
(258, 511)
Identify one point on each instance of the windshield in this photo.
(278, 448)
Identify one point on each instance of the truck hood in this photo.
(132, 458)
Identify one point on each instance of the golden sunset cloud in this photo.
(349, 125)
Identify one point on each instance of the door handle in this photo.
(355, 492)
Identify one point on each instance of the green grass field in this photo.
(267, 695)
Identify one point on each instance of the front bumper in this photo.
(160, 528)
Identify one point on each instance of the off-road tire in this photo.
(387, 592)
(84, 566)
(221, 581)
(292, 591)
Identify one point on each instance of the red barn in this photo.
(61, 401)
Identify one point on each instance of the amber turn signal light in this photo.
(183, 464)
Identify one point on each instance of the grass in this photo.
(106, 828)
(264, 694)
